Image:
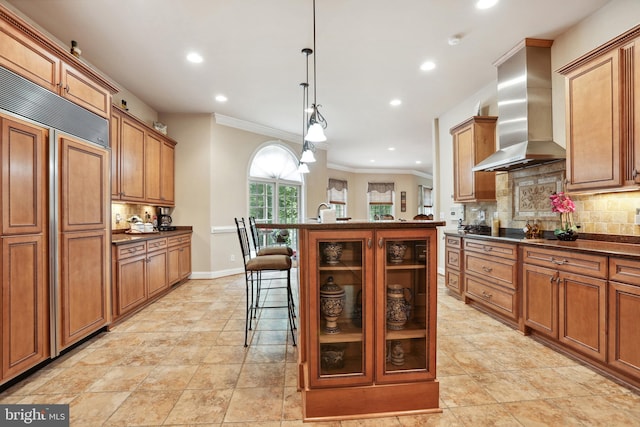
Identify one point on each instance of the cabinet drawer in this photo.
(589, 265)
(156, 244)
(177, 240)
(505, 250)
(624, 270)
(126, 251)
(452, 280)
(453, 241)
(499, 271)
(503, 301)
(453, 258)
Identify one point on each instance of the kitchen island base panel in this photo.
(379, 401)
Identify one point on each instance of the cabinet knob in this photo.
(634, 174)
(369, 243)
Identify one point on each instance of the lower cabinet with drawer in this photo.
(453, 267)
(145, 269)
(624, 316)
(491, 277)
(564, 298)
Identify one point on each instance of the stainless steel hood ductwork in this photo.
(524, 109)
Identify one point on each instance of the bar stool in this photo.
(253, 269)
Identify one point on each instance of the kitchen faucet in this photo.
(322, 205)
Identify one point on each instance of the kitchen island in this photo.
(367, 318)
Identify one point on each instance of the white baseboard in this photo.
(200, 275)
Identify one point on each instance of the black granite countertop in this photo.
(602, 247)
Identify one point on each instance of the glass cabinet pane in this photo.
(405, 296)
(342, 319)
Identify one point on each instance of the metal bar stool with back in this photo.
(254, 266)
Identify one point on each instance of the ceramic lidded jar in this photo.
(332, 300)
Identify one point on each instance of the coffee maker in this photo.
(164, 219)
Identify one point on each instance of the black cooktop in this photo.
(477, 229)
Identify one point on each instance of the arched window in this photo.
(275, 186)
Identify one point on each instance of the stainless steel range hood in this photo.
(524, 109)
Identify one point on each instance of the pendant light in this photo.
(307, 154)
(317, 122)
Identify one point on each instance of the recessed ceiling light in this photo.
(418, 162)
(221, 98)
(454, 40)
(194, 57)
(485, 4)
(372, 161)
(391, 148)
(428, 66)
(395, 102)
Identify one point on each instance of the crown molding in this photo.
(380, 171)
(257, 128)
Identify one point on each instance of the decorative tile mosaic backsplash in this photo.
(523, 195)
(121, 213)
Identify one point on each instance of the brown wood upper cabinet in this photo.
(473, 141)
(603, 116)
(28, 53)
(143, 165)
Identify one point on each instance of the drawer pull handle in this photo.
(486, 295)
(559, 261)
(487, 269)
(453, 281)
(380, 243)
(369, 243)
(487, 248)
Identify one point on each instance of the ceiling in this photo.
(368, 53)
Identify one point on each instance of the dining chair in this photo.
(254, 266)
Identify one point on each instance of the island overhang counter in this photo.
(367, 318)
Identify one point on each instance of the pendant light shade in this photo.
(315, 133)
(303, 168)
(307, 155)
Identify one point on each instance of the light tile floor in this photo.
(181, 361)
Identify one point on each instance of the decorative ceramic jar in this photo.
(332, 252)
(331, 357)
(398, 306)
(396, 353)
(332, 300)
(396, 251)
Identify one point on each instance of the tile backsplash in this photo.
(523, 195)
(125, 211)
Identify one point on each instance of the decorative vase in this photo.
(398, 307)
(332, 252)
(568, 231)
(332, 299)
(396, 251)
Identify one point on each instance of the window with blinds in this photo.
(337, 196)
(380, 197)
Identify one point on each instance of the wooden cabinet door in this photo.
(25, 304)
(157, 272)
(152, 167)
(114, 142)
(540, 299)
(185, 261)
(582, 314)
(624, 333)
(23, 56)
(132, 161)
(84, 285)
(83, 91)
(131, 278)
(23, 177)
(594, 155)
(174, 265)
(463, 160)
(84, 182)
(167, 175)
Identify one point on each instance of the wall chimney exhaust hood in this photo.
(524, 109)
